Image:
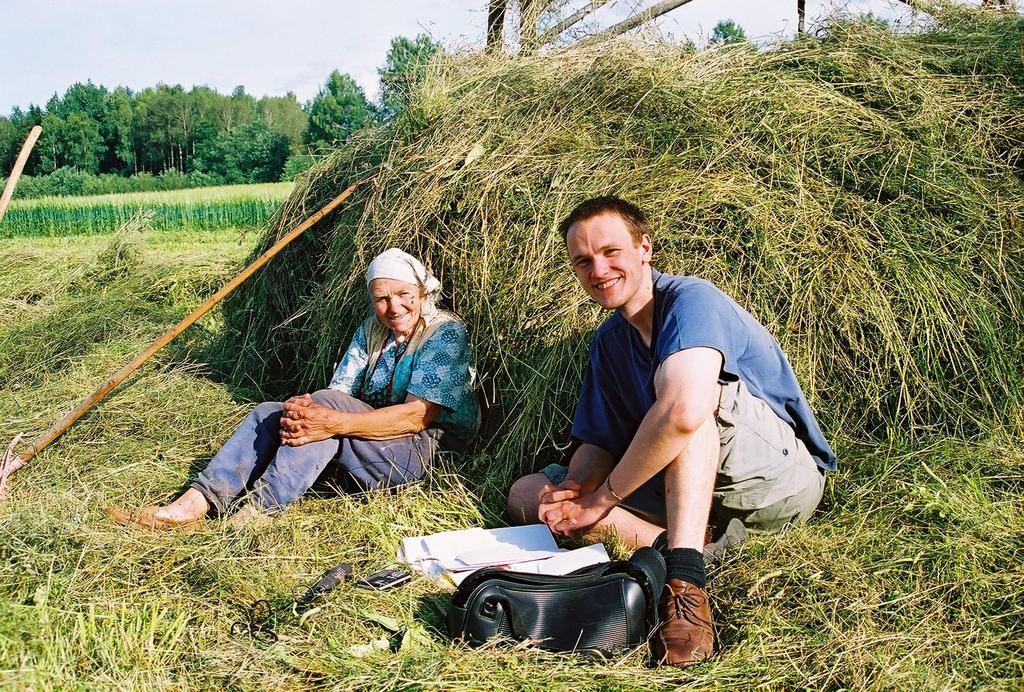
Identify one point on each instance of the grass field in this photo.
(210, 208)
(910, 576)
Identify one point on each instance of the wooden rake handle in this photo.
(119, 377)
(19, 166)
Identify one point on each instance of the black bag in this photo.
(597, 609)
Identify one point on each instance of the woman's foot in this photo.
(151, 518)
(248, 515)
(188, 510)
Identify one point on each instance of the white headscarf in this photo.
(401, 266)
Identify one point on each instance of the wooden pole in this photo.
(801, 11)
(574, 18)
(642, 17)
(19, 166)
(94, 398)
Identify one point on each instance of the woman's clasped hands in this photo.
(304, 421)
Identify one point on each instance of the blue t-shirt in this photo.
(438, 372)
(618, 387)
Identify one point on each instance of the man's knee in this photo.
(806, 487)
(524, 498)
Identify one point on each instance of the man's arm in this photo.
(589, 467)
(687, 392)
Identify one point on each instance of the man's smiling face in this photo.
(609, 263)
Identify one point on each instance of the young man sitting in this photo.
(690, 416)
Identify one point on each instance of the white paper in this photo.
(488, 557)
(566, 561)
(530, 549)
(474, 548)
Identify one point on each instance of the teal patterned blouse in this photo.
(439, 372)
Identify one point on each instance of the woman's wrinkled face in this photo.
(397, 304)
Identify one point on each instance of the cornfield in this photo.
(205, 209)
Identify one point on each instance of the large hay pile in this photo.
(859, 193)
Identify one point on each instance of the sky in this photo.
(272, 47)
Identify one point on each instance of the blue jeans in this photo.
(253, 461)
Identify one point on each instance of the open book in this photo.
(519, 548)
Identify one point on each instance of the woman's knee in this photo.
(266, 409)
(339, 400)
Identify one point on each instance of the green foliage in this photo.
(68, 181)
(74, 141)
(157, 130)
(252, 153)
(217, 138)
(339, 109)
(727, 32)
(88, 99)
(9, 144)
(296, 165)
(404, 67)
(118, 131)
(283, 115)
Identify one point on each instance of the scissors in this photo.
(259, 624)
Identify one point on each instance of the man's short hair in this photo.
(635, 220)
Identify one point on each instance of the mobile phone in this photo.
(385, 579)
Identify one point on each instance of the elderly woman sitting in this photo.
(402, 389)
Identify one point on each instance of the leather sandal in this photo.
(146, 518)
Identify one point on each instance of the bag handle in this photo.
(515, 622)
(647, 566)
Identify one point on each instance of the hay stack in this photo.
(859, 193)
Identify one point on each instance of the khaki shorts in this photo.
(766, 476)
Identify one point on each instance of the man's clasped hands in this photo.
(568, 508)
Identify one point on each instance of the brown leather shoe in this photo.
(146, 518)
(686, 634)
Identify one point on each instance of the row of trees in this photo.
(234, 138)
